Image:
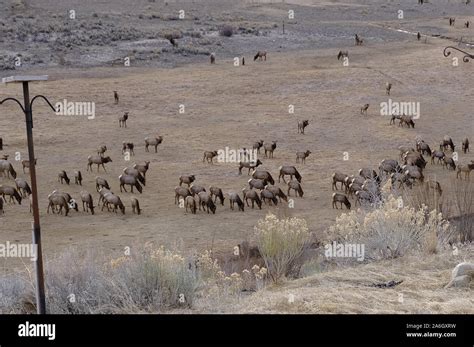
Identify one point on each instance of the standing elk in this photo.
(116, 97)
(250, 194)
(55, 201)
(6, 166)
(212, 58)
(268, 196)
(466, 169)
(22, 186)
(153, 141)
(358, 40)
(78, 177)
(191, 203)
(130, 180)
(438, 155)
(296, 186)
(406, 120)
(62, 176)
(388, 88)
(301, 125)
(302, 156)
(101, 150)
(26, 164)
(188, 179)
(278, 192)
(98, 160)
(342, 54)
(128, 146)
(449, 163)
(394, 118)
(249, 165)
(142, 168)
(257, 145)
(465, 145)
(263, 175)
(87, 201)
(338, 177)
(101, 183)
(269, 147)
(180, 192)
(216, 193)
(288, 171)
(196, 189)
(114, 200)
(131, 171)
(205, 200)
(1, 206)
(257, 183)
(135, 205)
(123, 120)
(445, 143)
(363, 109)
(209, 156)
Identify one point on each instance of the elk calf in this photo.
(302, 156)
(26, 164)
(257, 145)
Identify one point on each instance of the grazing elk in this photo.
(142, 168)
(358, 40)
(71, 202)
(98, 160)
(406, 120)
(363, 109)
(394, 118)
(302, 156)
(212, 58)
(388, 88)
(445, 143)
(438, 155)
(11, 192)
(413, 172)
(101, 150)
(234, 198)
(414, 158)
(296, 186)
(22, 186)
(449, 163)
(216, 193)
(269, 147)
(135, 205)
(269, 197)
(288, 171)
(205, 200)
(196, 189)
(6, 166)
(191, 203)
(257, 183)
(130, 180)
(263, 175)
(62, 176)
(342, 199)
(369, 174)
(388, 166)
(209, 156)
(465, 145)
(101, 183)
(301, 125)
(57, 201)
(26, 164)
(78, 177)
(423, 148)
(401, 178)
(250, 194)
(278, 192)
(342, 54)
(128, 146)
(131, 171)
(338, 177)
(102, 192)
(180, 192)
(188, 179)
(87, 201)
(261, 55)
(257, 145)
(153, 141)
(123, 120)
(114, 200)
(466, 169)
(116, 97)
(249, 165)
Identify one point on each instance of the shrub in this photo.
(226, 30)
(282, 243)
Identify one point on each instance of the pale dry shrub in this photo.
(282, 243)
(392, 230)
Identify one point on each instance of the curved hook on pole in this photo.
(44, 98)
(13, 99)
(466, 57)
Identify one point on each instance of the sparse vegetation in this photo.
(226, 30)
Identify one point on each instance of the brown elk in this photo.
(130, 180)
(216, 193)
(101, 183)
(438, 155)
(257, 145)
(188, 179)
(288, 171)
(55, 201)
(78, 177)
(388, 88)
(261, 55)
(449, 163)
(465, 145)
(250, 194)
(434, 185)
(11, 192)
(342, 54)
(342, 199)
(128, 146)
(296, 186)
(445, 143)
(338, 177)
(196, 189)
(263, 175)
(6, 166)
(358, 40)
(302, 156)
(301, 125)
(466, 169)
(257, 183)
(406, 120)
(249, 165)
(101, 150)
(135, 205)
(62, 176)
(143, 168)
(123, 120)
(116, 97)
(209, 155)
(212, 57)
(87, 201)
(1, 206)
(26, 164)
(205, 200)
(277, 191)
(98, 160)
(114, 200)
(191, 203)
(234, 198)
(131, 171)
(363, 109)
(180, 192)
(268, 196)
(22, 186)
(269, 147)
(153, 141)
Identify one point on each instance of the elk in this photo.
(445, 143)
(268, 196)
(249, 165)
(180, 192)
(196, 189)
(465, 145)
(257, 145)
(11, 192)
(370, 174)
(342, 199)
(257, 183)
(338, 177)
(101, 150)
(98, 160)
(130, 180)
(216, 193)
(188, 179)
(296, 186)
(361, 196)
(205, 200)
(62, 176)
(135, 173)
(358, 40)
(263, 175)
(250, 194)
(102, 192)
(414, 158)
(269, 147)
(466, 24)
(449, 163)
(302, 156)
(78, 177)
(394, 118)
(191, 203)
(301, 125)
(22, 186)
(123, 120)
(277, 191)
(26, 164)
(388, 166)
(128, 146)
(363, 109)
(388, 88)
(288, 171)
(413, 172)
(401, 178)
(87, 201)
(212, 58)
(452, 21)
(209, 156)
(406, 120)
(101, 183)
(423, 148)
(116, 97)
(142, 168)
(112, 199)
(153, 141)
(70, 201)
(342, 54)
(466, 169)
(57, 200)
(438, 155)
(1, 206)
(135, 205)
(234, 198)
(260, 55)
(6, 166)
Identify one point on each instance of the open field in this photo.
(229, 106)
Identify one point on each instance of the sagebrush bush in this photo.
(281, 243)
(226, 30)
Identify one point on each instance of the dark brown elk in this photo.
(205, 200)
(57, 201)
(131, 181)
(406, 120)
(342, 199)
(62, 176)
(22, 186)
(249, 165)
(445, 143)
(250, 194)
(180, 192)
(98, 160)
(87, 201)
(257, 183)
(6, 166)
(101, 150)
(438, 155)
(449, 163)
(188, 179)
(102, 192)
(216, 193)
(394, 118)
(143, 168)
(302, 156)
(413, 172)
(404, 149)
(269, 148)
(153, 141)
(78, 177)
(414, 158)
(301, 125)
(388, 88)
(277, 191)
(434, 185)
(11, 192)
(261, 55)
(212, 57)
(257, 145)
(26, 164)
(71, 202)
(123, 120)
(263, 175)
(465, 145)
(116, 97)
(353, 187)
(358, 40)
(466, 169)
(423, 148)
(288, 171)
(209, 156)
(268, 197)
(388, 166)
(342, 54)
(368, 173)
(363, 196)
(296, 186)
(234, 198)
(101, 183)
(196, 189)
(338, 177)
(131, 171)
(363, 109)
(191, 203)
(128, 147)
(401, 179)
(1, 206)
(114, 200)
(135, 205)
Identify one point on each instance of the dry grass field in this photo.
(234, 106)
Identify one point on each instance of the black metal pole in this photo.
(40, 293)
